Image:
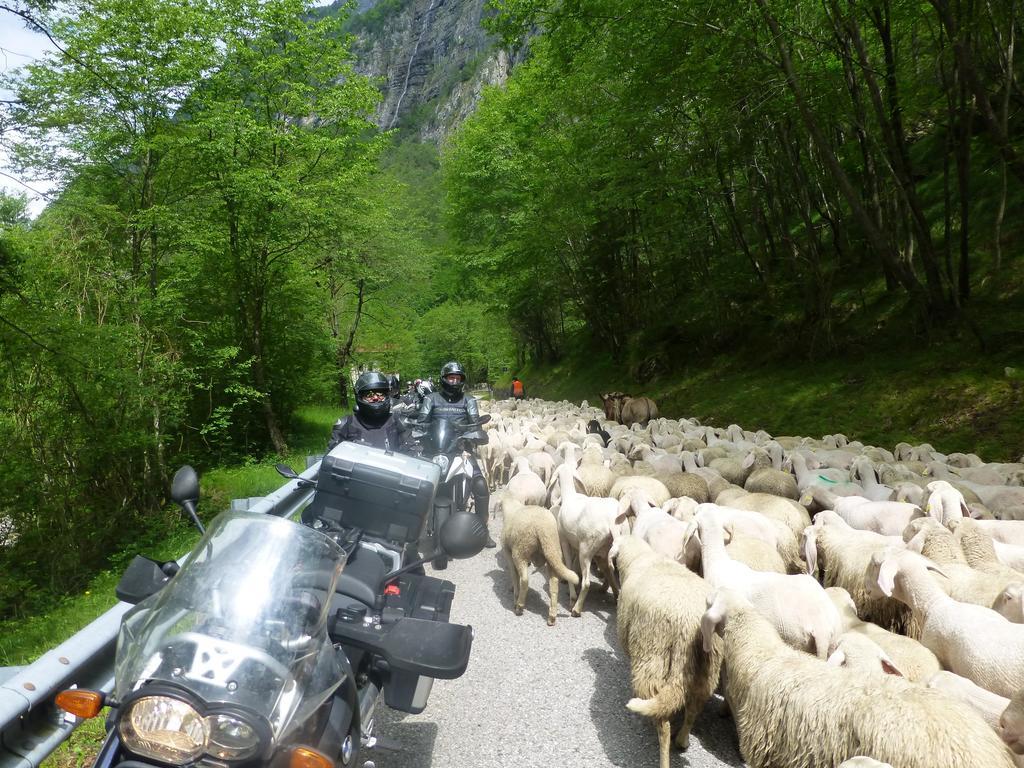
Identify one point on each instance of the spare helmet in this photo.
(372, 396)
(452, 368)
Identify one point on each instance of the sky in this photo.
(19, 46)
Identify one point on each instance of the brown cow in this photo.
(613, 405)
(629, 410)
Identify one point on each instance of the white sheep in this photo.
(653, 487)
(1006, 531)
(664, 533)
(987, 704)
(526, 486)
(997, 711)
(589, 526)
(945, 502)
(530, 535)
(980, 549)
(912, 659)
(793, 710)
(888, 518)
(843, 553)
(1010, 603)
(784, 510)
(758, 526)
(658, 616)
(859, 653)
(796, 605)
(971, 640)
(965, 583)
(1009, 554)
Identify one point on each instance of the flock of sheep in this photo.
(856, 606)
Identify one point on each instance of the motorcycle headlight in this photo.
(231, 738)
(172, 731)
(164, 729)
(442, 461)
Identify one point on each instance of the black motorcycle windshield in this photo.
(442, 435)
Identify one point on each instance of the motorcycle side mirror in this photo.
(185, 485)
(185, 492)
(285, 471)
(142, 578)
(462, 535)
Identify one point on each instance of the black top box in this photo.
(387, 495)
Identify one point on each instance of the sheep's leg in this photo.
(553, 594)
(682, 738)
(569, 560)
(520, 585)
(584, 583)
(663, 728)
(602, 573)
(613, 579)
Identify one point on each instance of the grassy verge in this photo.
(951, 395)
(23, 641)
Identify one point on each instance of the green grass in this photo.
(949, 395)
(24, 640)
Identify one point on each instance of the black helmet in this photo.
(393, 384)
(372, 381)
(447, 387)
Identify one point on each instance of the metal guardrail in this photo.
(31, 726)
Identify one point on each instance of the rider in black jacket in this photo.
(453, 404)
(372, 422)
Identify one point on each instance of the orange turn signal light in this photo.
(81, 703)
(305, 757)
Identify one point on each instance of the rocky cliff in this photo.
(432, 59)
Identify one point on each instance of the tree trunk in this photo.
(876, 238)
(343, 354)
(965, 61)
(890, 122)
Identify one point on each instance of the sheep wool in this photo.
(530, 535)
(659, 612)
(794, 711)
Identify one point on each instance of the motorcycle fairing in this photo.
(244, 622)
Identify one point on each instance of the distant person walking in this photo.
(518, 393)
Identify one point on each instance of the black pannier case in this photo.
(386, 494)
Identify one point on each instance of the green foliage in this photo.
(694, 174)
(170, 306)
(371, 22)
(164, 535)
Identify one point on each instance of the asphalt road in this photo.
(538, 696)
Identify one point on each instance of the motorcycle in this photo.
(445, 443)
(273, 643)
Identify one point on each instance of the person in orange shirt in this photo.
(518, 392)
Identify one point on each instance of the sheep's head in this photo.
(880, 575)
(860, 654)
(1010, 603)
(1011, 723)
